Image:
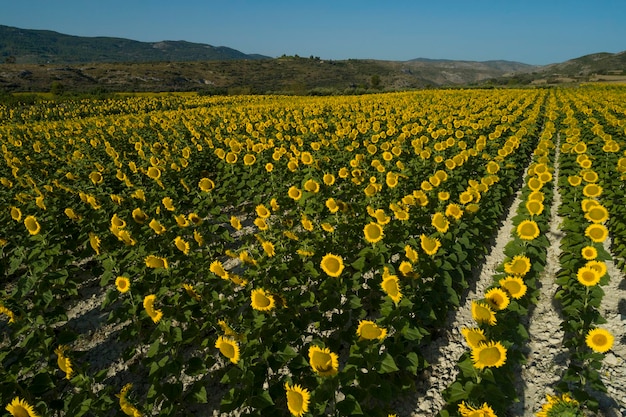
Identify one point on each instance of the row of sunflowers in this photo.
(287, 255)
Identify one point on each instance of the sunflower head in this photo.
(261, 300)
(21, 408)
(518, 266)
(514, 286)
(489, 354)
(391, 287)
(474, 337)
(466, 410)
(429, 245)
(297, 399)
(122, 284)
(599, 340)
(368, 330)
(332, 265)
(323, 361)
(482, 313)
(527, 230)
(588, 276)
(373, 232)
(497, 298)
(228, 347)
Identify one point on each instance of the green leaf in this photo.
(387, 364)
(261, 401)
(349, 406)
(41, 383)
(359, 264)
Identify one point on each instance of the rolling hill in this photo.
(39, 61)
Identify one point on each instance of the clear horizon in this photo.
(532, 32)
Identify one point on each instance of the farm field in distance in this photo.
(281, 255)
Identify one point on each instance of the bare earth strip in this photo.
(444, 353)
(613, 309)
(546, 359)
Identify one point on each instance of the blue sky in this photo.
(533, 31)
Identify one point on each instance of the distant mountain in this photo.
(26, 46)
(38, 60)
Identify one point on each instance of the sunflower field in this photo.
(277, 255)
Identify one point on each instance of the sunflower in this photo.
(474, 337)
(440, 222)
(454, 210)
(8, 313)
(483, 411)
(599, 266)
(268, 248)
(311, 186)
(574, 180)
(262, 300)
(592, 190)
(249, 159)
(590, 176)
(390, 286)
(190, 290)
(519, 266)
(373, 232)
(262, 211)
(206, 185)
(599, 340)
(294, 193)
(182, 245)
(597, 214)
(497, 298)
(332, 265)
(157, 226)
(489, 354)
(218, 269)
(588, 203)
(560, 406)
(527, 230)
(154, 173)
(429, 245)
(482, 313)
(125, 405)
(94, 242)
(261, 223)
(588, 276)
(589, 253)
(323, 361)
(411, 254)
(139, 216)
(21, 408)
(168, 203)
(148, 304)
(16, 214)
(514, 286)
(122, 284)
(536, 196)
(534, 208)
(534, 183)
(297, 399)
(64, 363)
(329, 179)
(32, 225)
(235, 223)
(156, 262)
(96, 177)
(332, 205)
(71, 214)
(596, 232)
(406, 268)
(368, 330)
(228, 347)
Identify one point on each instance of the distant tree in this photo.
(57, 88)
(375, 81)
(10, 59)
